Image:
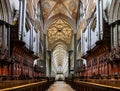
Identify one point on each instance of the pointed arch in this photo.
(5, 12)
(65, 18)
(114, 11)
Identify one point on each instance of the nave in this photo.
(43, 41)
(60, 86)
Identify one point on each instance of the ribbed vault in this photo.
(59, 18)
(59, 31)
(59, 38)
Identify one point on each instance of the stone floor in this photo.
(60, 86)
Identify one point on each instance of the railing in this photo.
(36, 86)
(88, 86)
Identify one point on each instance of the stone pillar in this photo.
(69, 64)
(44, 62)
(8, 40)
(49, 53)
(75, 52)
(89, 36)
(111, 38)
(3, 39)
(31, 38)
(30, 47)
(117, 36)
(100, 18)
(69, 61)
(22, 18)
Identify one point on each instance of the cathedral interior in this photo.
(59, 45)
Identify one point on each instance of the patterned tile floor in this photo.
(60, 86)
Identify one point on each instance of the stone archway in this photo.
(66, 18)
(59, 36)
(114, 11)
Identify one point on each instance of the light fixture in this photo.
(59, 29)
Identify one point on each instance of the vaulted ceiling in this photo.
(59, 32)
(59, 55)
(59, 38)
(54, 7)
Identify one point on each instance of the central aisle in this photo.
(60, 86)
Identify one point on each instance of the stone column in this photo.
(100, 18)
(31, 38)
(9, 40)
(3, 39)
(111, 38)
(69, 64)
(49, 53)
(117, 36)
(89, 36)
(44, 61)
(75, 46)
(22, 18)
(69, 61)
